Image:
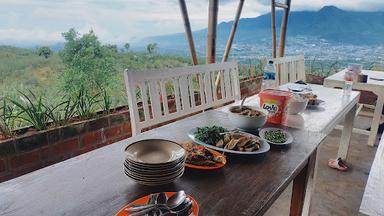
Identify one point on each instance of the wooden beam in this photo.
(283, 29)
(230, 39)
(188, 31)
(233, 31)
(273, 20)
(212, 26)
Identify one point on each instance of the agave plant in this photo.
(63, 112)
(32, 110)
(106, 102)
(7, 119)
(86, 103)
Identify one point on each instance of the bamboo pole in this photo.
(188, 31)
(283, 29)
(212, 26)
(273, 20)
(233, 31)
(230, 39)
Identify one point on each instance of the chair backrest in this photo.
(192, 89)
(289, 69)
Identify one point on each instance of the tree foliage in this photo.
(44, 51)
(127, 46)
(152, 48)
(87, 62)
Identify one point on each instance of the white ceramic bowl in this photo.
(296, 106)
(155, 152)
(246, 122)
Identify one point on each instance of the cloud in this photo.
(119, 21)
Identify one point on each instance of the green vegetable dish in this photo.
(210, 135)
(276, 136)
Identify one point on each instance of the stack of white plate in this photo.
(154, 162)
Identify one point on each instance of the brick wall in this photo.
(35, 150)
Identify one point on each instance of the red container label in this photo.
(274, 101)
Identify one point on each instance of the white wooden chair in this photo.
(289, 69)
(155, 86)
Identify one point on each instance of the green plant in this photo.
(44, 51)
(62, 113)
(106, 102)
(33, 110)
(86, 103)
(87, 62)
(7, 119)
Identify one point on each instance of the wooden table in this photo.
(324, 119)
(94, 183)
(377, 87)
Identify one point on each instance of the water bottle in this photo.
(269, 76)
(348, 82)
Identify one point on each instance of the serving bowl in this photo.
(247, 122)
(296, 105)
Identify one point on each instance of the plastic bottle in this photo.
(269, 76)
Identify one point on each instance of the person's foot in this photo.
(338, 164)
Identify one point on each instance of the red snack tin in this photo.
(274, 101)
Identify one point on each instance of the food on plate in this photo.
(210, 134)
(221, 138)
(247, 111)
(312, 99)
(275, 136)
(239, 142)
(201, 156)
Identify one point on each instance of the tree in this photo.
(127, 46)
(44, 51)
(87, 63)
(152, 48)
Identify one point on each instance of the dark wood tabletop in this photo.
(94, 183)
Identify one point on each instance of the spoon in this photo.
(174, 201)
(242, 103)
(177, 199)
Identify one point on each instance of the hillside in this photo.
(329, 23)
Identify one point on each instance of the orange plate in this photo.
(216, 166)
(145, 199)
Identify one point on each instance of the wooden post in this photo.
(273, 19)
(230, 39)
(283, 29)
(188, 31)
(212, 26)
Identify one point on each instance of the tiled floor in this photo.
(336, 193)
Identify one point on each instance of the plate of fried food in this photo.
(200, 157)
(223, 140)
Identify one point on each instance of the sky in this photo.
(121, 21)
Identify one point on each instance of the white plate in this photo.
(299, 88)
(263, 148)
(318, 103)
(287, 134)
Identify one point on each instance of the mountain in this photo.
(329, 23)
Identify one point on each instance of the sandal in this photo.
(338, 164)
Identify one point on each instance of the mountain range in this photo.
(329, 23)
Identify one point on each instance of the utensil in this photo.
(172, 203)
(144, 200)
(242, 103)
(176, 199)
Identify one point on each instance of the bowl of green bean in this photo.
(276, 136)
